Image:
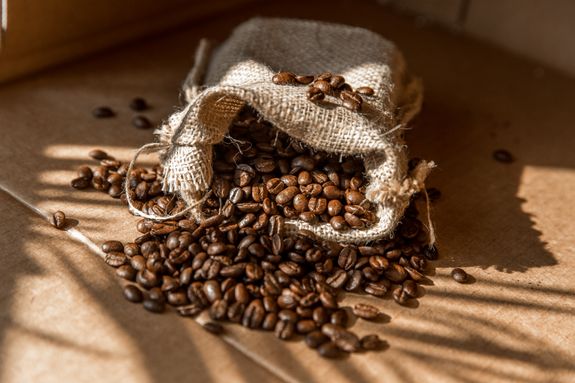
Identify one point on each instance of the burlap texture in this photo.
(239, 72)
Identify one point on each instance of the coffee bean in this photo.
(347, 341)
(339, 318)
(322, 85)
(138, 104)
(115, 259)
(459, 275)
(141, 122)
(338, 223)
(377, 289)
(315, 94)
(270, 322)
(329, 350)
(110, 246)
(304, 80)
(154, 306)
(284, 330)
(400, 296)
(336, 81)
(365, 90)
(371, 342)
(337, 279)
(59, 220)
(284, 78)
(286, 195)
(304, 162)
(213, 327)
(132, 293)
(126, 272)
(315, 339)
(305, 326)
(334, 207)
(80, 183)
(366, 311)
(253, 314)
(219, 309)
(103, 112)
(503, 156)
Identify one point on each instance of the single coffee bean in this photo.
(218, 309)
(365, 311)
(371, 342)
(400, 296)
(154, 306)
(126, 272)
(284, 78)
(305, 326)
(254, 314)
(410, 288)
(81, 183)
(132, 293)
(347, 341)
(115, 259)
(103, 112)
(138, 104)
(110, 246)
(98, 154)
(336, 81)
(323, 85)
(190, 310)
(338, 223)
(459, 275)
(339, 318)
(304, 80)
(286, 195)
(284, 330)
(329, 350)
(503, 156)
(365, 90)
(315, 339)
(213, 327)
(59, 220)
(377, 289)
(141, 122)
(315, 94)
(334, 207)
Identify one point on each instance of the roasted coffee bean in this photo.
(286, 195)
(354, 221)
(284, 330)
(115, 259)
(212, 290)
(304, 80)
(190, 310)
(213, 327)
(347, 258)
(81, 183)
(103, 112)
(400, 296)
(371, 342)
(395, 273)
(339, 318)
(110, 246)
(320, 316)
(503, 156)
(154, 306)
(323, 85)
(336, 81)
(317, 205)
(365, 311)
(253, 314)
(270, 322)
(59, 220)
(126, 272)
(378, 262)
(284, 78)
(315, 94)
(334, 207)
(98, 154)
(218, 309)
(354, 280)
(305, 326)
(414, 274)
(329, 350)
(328, 300)
(138, 104)
(459, 275)
(315, 339)
(141, 122)
(347, 341)
(365, 90)
(338, 223)
(337, 279)
(377, 289)
(332, 192)
(300, 202)
(244, 174)
(85, 172)
(410, 288)
(354, 197)
(133, 294)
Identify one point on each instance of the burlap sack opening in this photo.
(239, 72)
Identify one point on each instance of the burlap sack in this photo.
(240, 72)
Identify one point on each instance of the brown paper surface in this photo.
(511, 226)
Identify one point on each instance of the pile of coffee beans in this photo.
(326, 84)
(238, 264)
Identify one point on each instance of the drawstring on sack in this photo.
(146, 149)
